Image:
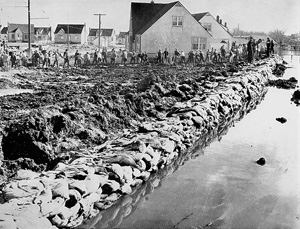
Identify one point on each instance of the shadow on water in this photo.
(213, 207)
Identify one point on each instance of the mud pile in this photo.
(93, 139)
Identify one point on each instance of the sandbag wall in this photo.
(95, 180)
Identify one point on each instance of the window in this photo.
(13, 36)
(25, 36)
(207, 26)
(62, 37)
(76, 37)
(199, 43)
(177, 21)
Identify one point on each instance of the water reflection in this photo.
(212, 203)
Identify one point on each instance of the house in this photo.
(72, 33)
(121, 38)
(4, 34)
(219, 31)
(19, 32)
(155, 26)
(42, 35)
(107, 37)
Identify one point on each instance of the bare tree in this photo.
(278, 36)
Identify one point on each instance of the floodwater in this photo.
(221, 186)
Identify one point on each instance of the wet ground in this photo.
(224, 187)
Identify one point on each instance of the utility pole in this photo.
(68, 36)
(29, 30)
(99, 34)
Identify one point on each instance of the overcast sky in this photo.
(251, 15)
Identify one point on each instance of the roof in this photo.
(144, 15)
(122, 34)
(104, 32)
(199, 16)
(23, 27)
(42, 30)
(73, 28)
(4, 30)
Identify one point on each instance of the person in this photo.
(223, 53)
(272, 47)
(87, 59)
(159, 57)
(176, 56)
(133, 57)
(95, 58)
(215, 56)
(145, 58)
(66, 58)
(99, 60)
(166, 56)
(268, 46)
(201, 56)
(23, 59)
(191, 57)
(46, 58)
(55, 55)
(113, 57)
(182, 57)
(35, 57)
(124, 57)
(231, 54)
(76, 58)
(207, 58)
(250, 50)
(13, 59)
(104, 56)
(5, 59)
(79, 60)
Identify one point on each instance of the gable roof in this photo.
(144, 15)
(23, 27)
(122, 34)
(4, 30)
(199, 16)
(104, 32)
(73, 28)
(42, 30)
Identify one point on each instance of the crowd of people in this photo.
(250, 51)
(52, 58)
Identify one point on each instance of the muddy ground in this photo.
(74, 109)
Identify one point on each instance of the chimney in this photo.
(218, 18)
(225, 24)
(152, 1)
(221, 21)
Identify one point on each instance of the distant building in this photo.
(219, 31)
(42, 35)
(19, 32)
(155, 26)
(4, 34)
(108, 37)
(76, 33)
(121, 38)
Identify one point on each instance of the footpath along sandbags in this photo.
(94, 180)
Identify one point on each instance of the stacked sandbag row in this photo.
(96, 179)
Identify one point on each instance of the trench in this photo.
(218, 184)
